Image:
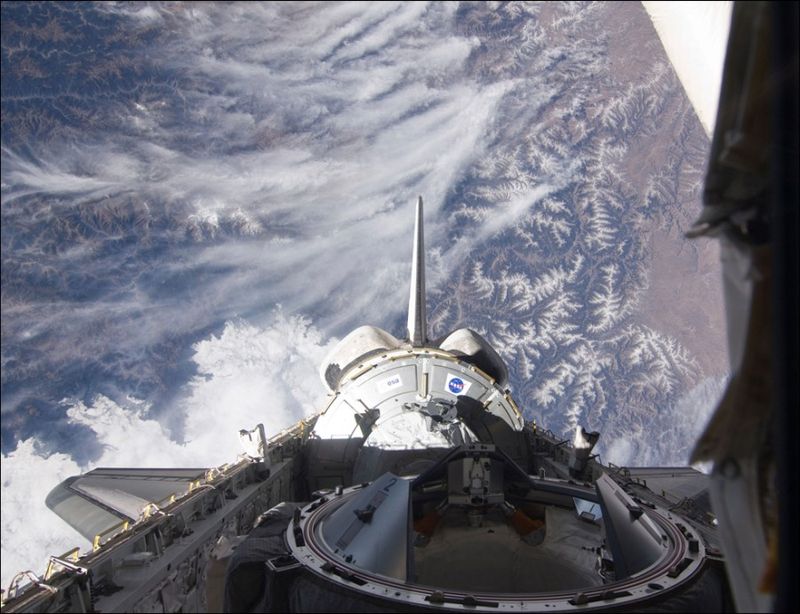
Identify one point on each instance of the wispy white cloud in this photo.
(327, 121)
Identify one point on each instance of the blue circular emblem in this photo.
(456, 385)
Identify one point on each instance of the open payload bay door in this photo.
(97, 501)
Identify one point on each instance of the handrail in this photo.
(65, 561)
(120, 527)
(13, 586)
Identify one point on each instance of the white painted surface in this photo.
(695, 37)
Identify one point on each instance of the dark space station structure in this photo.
(420, 487)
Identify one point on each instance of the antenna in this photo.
(417, 323)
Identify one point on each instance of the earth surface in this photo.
(198, 200)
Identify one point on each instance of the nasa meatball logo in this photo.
(456, 385)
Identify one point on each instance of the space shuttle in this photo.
(422, 487)
(419, 487)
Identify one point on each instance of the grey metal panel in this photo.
(399, 379)
(118, 500)
(634, 539)
(189, 474)
(102, 498)
(371, 529)
(674, 482)
(150, 490)
(86, 517)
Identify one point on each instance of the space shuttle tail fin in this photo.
(417, 322)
